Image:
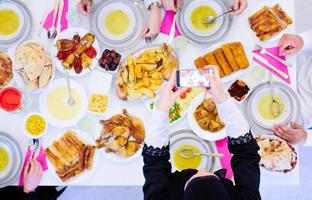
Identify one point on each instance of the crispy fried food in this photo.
(206, 116)
(211, 60)
(6, 70)
(239, 54)
(118, 135)
(70, 156)
(142, 75)
(267, 22)
(226, 48)
(200, 62)
(218, 53)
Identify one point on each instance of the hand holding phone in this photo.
(193, 78)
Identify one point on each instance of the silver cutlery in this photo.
(212, 19)
(34, 146)
(70, 100)
(188, 153)
(52, 30)
(264, 51)
(275, 105)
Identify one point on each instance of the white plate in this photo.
(20, 14)
(187, 137)
(237, 74)
(16, 75)
(112, 156)
(63, 123)
(196, 128)
(68, 34)
(195, 4)
(81, 178)
(8, 168)
(114, 7)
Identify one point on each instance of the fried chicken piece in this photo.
(116, 144)
(138, 131)
(121, 131)
(130, 149)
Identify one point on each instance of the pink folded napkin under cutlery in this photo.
(48, 21)
(222, 147)
(30, 155)
(274, 63)
(167, 22)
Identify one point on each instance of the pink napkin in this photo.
(167, 22)
(48, 21)
(222, 147)
(41, 159)
(274, 62)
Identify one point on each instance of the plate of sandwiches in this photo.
(276, 154)
(6, 70)
(232, 59)
(269, 22)
(72, 156)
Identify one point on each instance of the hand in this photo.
(239, 6)
(84, 7)
(172, 4)
(216, 88)
(168, 96)
(294, 134)
(32, 175)
(290, 44)
(153, 23)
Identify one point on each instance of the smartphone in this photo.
(193, 78)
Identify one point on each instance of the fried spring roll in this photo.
(200, 63)
(218, 53)
(90, 158)
(226, 48)
(211, 60)
(239, 55)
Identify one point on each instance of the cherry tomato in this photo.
(188, 90)
(183, 95)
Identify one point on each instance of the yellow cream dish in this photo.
(117, 22)
(35, 125)
(9, 22)
(186, 163)
(200, 15)
(4, 159)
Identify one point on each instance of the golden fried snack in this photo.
(200, 62)
(226, 48)
(220, 57)
(281, 14)
(239, 55)
(211, 60)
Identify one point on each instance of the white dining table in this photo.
(130, 173)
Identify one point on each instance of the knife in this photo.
(264, 61)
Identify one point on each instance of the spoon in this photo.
(275, 106)
(212, 19)
(34, 146)
(192, 154)
(70, 100)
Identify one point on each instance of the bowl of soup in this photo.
(35, 125)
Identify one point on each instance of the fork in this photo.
(52, 30)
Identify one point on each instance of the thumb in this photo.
(236, 5)
(144, 31)
(295, 125)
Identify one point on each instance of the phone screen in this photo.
(191, 78)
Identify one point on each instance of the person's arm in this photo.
(157, 168)
(31, 196)
(245, 160)
(32, 176)
(148, 3)
(307, 38)
(308, 142)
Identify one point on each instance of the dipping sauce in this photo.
(35, 125)
(264, 107)
(57, 103)
(9, 22)
(184, 163)
(200, 15)
(117, 22)
(4, 159)
(10, 99)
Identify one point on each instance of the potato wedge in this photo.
(150, 93)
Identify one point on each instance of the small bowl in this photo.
(25, 131)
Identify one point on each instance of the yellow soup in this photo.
(200, 15)
(117, 22)
(35, 125)
(58, 105)
(264, 107)
(184, 163)
(4, 159)
(9, 22)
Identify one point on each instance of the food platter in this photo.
(68, 34)
(219, 31)
(136, 13)
(14, 167)
(53, 102)
(25, 23)
(292, 109)
(187, 137)
(81, 178)
(204, 134)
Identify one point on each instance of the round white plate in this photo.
(187, 137)
(20, 14)
(267, 91)
(68, 34)
(196, 128)
(114, 7)
(83, 176)
(57, 122)
(195, 4)
(18, 77)
(113, 156)
(239, 73)
(6, 171)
